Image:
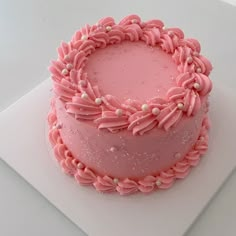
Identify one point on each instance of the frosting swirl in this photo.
(116, 34)
(187, 80)
(182, 169)
(153, 24)
(169, 116)
(127, 186)
(107, 21)
(54, 137)
(133, 32)
(60, 151)
(105, 184)
(85, 177)
(169, 41)
(166, 179)
(100, 39)
(151, 36)
(187, 97)
(130, 20)
(141, 123)
(111, 122)
(148, 184)
(69, 165)
(64, 50)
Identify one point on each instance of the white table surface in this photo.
(29, 33)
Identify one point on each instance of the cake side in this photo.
(123, 155)
(103, 183)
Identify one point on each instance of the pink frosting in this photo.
(105, 184)
(164, 180)
(129, 129)
(85, 176)
(71, 81)
(123, 154)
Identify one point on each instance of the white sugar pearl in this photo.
(69, 66)
(170, 33)
(134, 21)
(144, 107)
(66, 57)
(196, 86)
(58, 126)
(199, 70)
(54, 127)
(189, 60)
(84, 37)
(80, 165)
(119, 112)
(158, 182)
(177, 155)
(108, 28)
(180, 106)
(84, 95)
(115, 180)
(82, 83)
(98, 101)
(164, 27)
(113, 149)
(155, 111)
(64, 71)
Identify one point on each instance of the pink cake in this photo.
(130, 104)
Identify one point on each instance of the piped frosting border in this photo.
(85, 102)
(85, 176)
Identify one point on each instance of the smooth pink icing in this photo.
(115, 69)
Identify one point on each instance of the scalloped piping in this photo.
(84, 101)
(106, 184)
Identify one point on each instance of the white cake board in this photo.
(171, 212)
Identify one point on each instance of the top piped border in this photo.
(85, 102)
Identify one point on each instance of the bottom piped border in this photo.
(85, 176)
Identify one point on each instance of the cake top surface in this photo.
(132, 70)
(132, 75)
